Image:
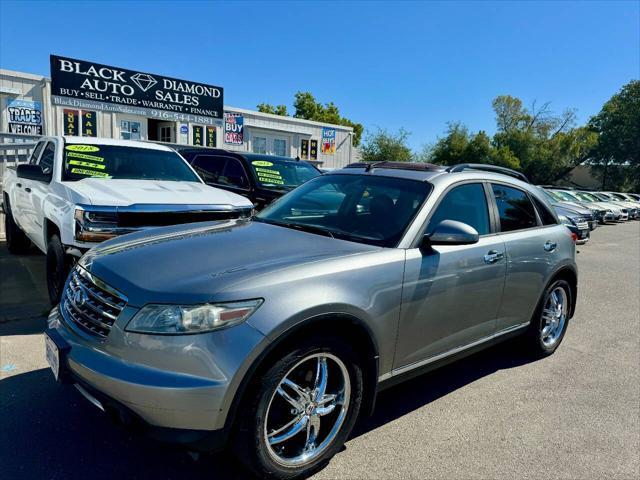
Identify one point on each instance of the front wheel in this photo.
(549, 323)
(58, 266)
(305, 406)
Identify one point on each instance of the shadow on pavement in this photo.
(50, 431)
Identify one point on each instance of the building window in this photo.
(260, 145)
(129, 130)
(280, 147)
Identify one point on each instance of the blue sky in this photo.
(415, 65)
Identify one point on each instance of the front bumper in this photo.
(155, 383)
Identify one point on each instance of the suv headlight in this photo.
(182, 319)
(565, 220)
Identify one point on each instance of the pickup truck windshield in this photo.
(359, 208)
(275, 174)
(119, 162)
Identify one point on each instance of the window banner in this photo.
(70, 122)
(313, 152)
(211, 136)
(89, 126)
(328, 141)
(304, 149)
(24, 116)
(197, 135)
(233, 128)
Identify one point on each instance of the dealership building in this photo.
(88, 99)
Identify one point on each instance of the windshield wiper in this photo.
(297, 226)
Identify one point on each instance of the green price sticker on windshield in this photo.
(261, 163)
(82, 148)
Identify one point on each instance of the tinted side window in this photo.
(545, 215)
(209, 167)
(466, 204)
(46, 159)
(36, 153)
(234, 174)
(515, 209)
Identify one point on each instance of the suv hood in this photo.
(110, 192)
(192, 263)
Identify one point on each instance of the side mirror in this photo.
(451, 232)
(32, 172)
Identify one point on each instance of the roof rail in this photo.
(418, 166)
(488, 168)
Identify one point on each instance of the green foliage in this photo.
(309, 109)
(277, 110)
(387, 146)
(615, 156)
(542, 145)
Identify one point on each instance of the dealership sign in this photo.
(80, 84)
(233, 128)
(24, 117)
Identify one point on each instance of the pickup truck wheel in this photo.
(301, 411)
(17, 241)
(58, 266)
(550, 320)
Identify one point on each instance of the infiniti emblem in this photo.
(79, 297)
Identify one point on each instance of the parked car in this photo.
(575, 214)
(575, 222)
(76, 192)
(613, 212)
(635, 196)
(632, 206)
(272, 335)
(261, 178)
(619, 213)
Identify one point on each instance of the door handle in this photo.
(27, 189)
(19, 185)
(550, 246)
(493, 256)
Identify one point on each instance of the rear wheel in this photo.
(302, 412)
(551, 319)
(58, 266)
(17, 241)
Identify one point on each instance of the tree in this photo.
(387, 146)
(308, 108)
(277, 110)
(615, 156)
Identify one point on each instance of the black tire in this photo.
(249, 443)
(17, 241)
(58, 266)
(534, 340)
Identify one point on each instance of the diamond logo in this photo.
(144, 81)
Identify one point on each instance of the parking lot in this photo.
(496, 414)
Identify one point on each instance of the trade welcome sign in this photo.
(82, 84)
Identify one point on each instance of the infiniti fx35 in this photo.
(271, 336)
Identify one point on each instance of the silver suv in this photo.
(273, 335)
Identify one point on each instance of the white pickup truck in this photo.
(76, 192)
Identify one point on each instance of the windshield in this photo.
(113, 161)
(279, 174)
(565, 196)
(551, 196)
(604, 197)
(617, 196)
(586, 197)
(360, 208)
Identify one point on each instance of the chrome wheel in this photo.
(554, 316)
(307, 410)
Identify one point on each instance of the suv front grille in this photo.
(90, 304)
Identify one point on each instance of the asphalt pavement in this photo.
(495, 415)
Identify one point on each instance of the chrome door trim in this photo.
(448, 353)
